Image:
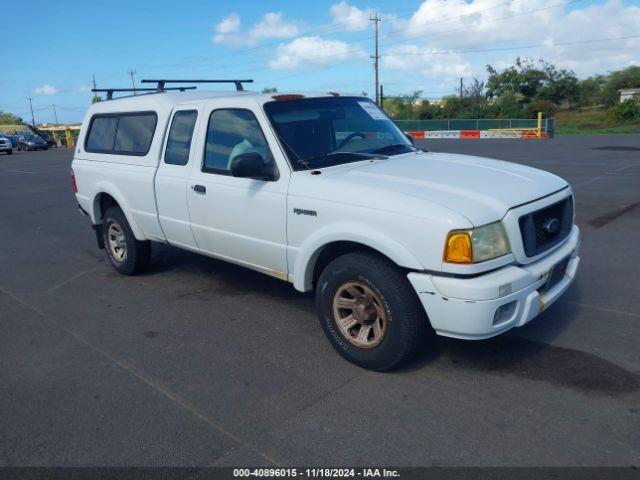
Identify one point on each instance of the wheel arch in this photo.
(316, 253)
(107, 196)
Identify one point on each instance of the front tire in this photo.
(127, 255)
(10, 152)
(369, 311)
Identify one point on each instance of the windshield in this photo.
(326, 131)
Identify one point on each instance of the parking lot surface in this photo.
(200, 363)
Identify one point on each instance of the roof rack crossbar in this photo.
(161, 82)
(111, 90)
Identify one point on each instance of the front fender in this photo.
(309, 250)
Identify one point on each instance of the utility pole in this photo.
(376, 19)
(55, 115)
(133, 82)
(381, 98)
(33, 120)
(94, 95)
(461, 87)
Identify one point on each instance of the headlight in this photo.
(476, 245)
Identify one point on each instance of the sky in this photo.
(300, 45)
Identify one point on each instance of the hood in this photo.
(480, 189)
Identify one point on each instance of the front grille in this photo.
(546, 227)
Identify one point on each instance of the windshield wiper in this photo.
(346, 156)
(392, 147)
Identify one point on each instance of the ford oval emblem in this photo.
(552, 225)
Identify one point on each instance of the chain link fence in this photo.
(473, 124)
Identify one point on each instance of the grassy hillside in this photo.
(591, 122)
(11, 128)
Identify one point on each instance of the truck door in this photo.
(172, 179)
(239, 219)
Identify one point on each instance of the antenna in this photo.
(160, 83)
(111, 90)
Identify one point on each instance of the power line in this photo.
(356, 42)
(330, 29)
(522, 47)
(450, 52)
(395, 32)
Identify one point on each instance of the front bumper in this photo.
(4, 147)
(466, 307)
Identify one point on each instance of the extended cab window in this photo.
(230, 133)
(180, 135)
(121, 134)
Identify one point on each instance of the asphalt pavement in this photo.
(202, 363)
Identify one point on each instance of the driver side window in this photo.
(232, 132)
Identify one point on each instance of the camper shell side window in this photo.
(127, 133)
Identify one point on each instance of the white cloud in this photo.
(315, 51)
(229, 25)
(440, 31)
(446, 66)
(272, 25)
(45, 90)
(435, 45)
(350, 17)
(81, 88)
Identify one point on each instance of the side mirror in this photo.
(410, 138)
(250, 165)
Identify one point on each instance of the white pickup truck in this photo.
(325, 192)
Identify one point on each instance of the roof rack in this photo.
(160, 83)
(111, 90)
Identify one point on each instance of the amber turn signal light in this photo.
(458, 248)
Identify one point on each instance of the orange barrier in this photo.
(416, 134)
(476, 134)
(469, 133)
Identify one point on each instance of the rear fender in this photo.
(110, 189)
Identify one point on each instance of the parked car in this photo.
(43, 134)
(31, 142)
(5, 145)
(325, 192)
(13, 139)
(47, 137)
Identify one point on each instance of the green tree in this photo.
(402, 107)
(270, 90)
(7, 118)
(527, 81)
(627, 110)
(626, 78)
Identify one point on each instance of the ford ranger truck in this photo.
(325, 192)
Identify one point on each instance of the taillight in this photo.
(74, 185)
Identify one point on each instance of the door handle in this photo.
(199, 189)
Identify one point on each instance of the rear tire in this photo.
(127, 255)
(369, 311)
